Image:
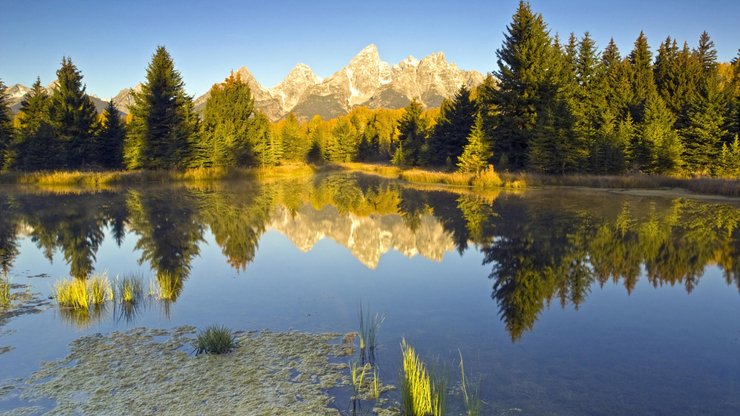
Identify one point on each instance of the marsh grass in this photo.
(128, 294)
(423, 392)
(471, 398)
(215, 340)
(369, 325)
(83, 294)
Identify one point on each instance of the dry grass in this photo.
(699, 185)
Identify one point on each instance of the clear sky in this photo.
(112, 41)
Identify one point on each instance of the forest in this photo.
(552, 105)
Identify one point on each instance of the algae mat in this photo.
(153, 372)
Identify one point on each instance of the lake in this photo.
(561, 301)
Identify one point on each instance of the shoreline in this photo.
(697, 186)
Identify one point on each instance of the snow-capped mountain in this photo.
(365, 81)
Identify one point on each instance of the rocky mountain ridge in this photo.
(365, 81)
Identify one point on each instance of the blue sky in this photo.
(112, 41)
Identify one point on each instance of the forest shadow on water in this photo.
(562, 301)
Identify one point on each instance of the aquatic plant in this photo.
(358, 375)
(4, 291)
(423, 393)
(376, 384)
(369, 325)
(82, 294)
(215, 340)
(470, 398)
(129, 289)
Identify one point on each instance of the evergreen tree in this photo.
(268, 151)
(705, 121)
(73, 117)
(163, 126)
(344, 141)
(34, 146)
(524, 62)
(643, 81)
(615, 80)
(477, 151)
(704, 132)
(6, 126)
(228, 123)
(657, 148)
(734, 119)
(295, 143)
(412, 134)
(453, 126)
(109, 143)
(729, 162)
(686, 88)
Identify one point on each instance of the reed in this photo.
(129, 289)
(215, 340)
(99, 290)
(471, 399)
(422, 394)
(369, 325)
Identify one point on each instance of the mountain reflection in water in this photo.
(541, 246)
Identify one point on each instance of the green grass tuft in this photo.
(215, 340)
(422, 393)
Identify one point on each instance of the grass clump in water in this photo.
(422, 393)
(215, 340)
(82, 294)
(4, 292)
(369, 326)
(129, 293)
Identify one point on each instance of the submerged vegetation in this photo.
(215, 340)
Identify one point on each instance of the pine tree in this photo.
(615, 80)
(344, 141)
(228, 124)
(477, 151)
(6, 126)
(264, 145)
(109, 142)
(524, 62)
(455, 121)
(734, 119)
(412, 133)
(73, 116)
(729, 162)
(164, 126)
(34, 146)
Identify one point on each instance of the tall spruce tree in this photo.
(734, 119)
(450, 133)
(228, 123)
(109, 142)
(164, 126)
(705, 124)
(615, 80)
(34, 146)
(657, 148)
(6, 126)
(641, 71)
(73, 117)
(412, 134)
(524, 62)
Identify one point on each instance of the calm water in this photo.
(564, 302)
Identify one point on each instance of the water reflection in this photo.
(541, 246)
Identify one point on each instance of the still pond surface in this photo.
(563, 302)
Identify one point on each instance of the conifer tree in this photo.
(477, 151)
(6, 127)
(293, 136)
(615, 80)
(734, 119)
(729, 161)
(163, 127)
(344, 141)
(73, 116)
(453, 126)
(34, 146)
(657, 148)
(643, 81)
(524, 62)
(412, 133)
(109, 142)
(268, 152)
(228, 124)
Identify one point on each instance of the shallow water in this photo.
(563, 302)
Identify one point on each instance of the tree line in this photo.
(551, 106)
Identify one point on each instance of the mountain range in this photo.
(365, 81)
